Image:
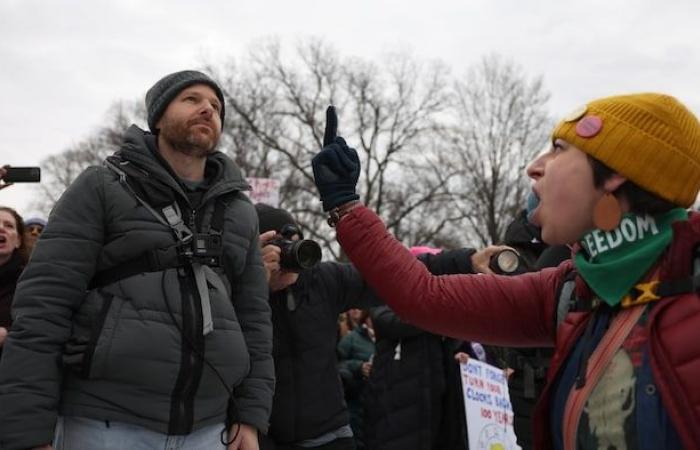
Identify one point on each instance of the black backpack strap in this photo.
(671, 288)
(151, 261)
(656, 290)
(217, 218)
(690, 284)
(154, 260)
(532, 365)
(170, 214)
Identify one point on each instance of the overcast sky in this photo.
(63, 63)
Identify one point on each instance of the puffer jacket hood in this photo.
(140, 149)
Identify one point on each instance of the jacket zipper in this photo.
(182, 413)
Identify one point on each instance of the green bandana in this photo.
(614, 261)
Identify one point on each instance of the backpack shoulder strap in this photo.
(171, 215)
(154, 260)
(682, 286)
(658, 289)
(217, 218)
(566, 298)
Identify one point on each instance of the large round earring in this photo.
(607, 213)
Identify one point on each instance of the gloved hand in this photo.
(336, 167)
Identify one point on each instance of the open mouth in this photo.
(3, 239)
(533, 202)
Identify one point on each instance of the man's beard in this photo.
(183, 138)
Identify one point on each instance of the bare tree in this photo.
(59, 170)
(388, 112)
(442, 160)
(501, 124)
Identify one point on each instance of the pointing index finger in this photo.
(331, 131)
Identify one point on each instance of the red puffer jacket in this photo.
(520, 311)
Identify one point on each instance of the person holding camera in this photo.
(306, 297)
(615, 184)
(142, 319)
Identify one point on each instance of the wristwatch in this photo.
(337, 213)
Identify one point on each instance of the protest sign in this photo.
(487, 405)
(265, 190)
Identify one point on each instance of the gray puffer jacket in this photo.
(117, 352)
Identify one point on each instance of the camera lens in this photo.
(308, 253)
(298, 255)
(506, 262)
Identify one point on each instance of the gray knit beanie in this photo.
(166, 89)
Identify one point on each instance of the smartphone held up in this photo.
(22, 175)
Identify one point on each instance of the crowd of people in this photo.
(159, 308)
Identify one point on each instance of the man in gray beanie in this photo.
(142, 320)
(164, 91)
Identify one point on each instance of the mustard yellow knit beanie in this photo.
(651, 139)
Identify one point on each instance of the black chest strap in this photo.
(641, 293)
(182, 252)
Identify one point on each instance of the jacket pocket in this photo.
(79, 350)
(95, 333)
(97, 353)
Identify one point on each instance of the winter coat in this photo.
(521, 310)
(355, 349)
(407, 404)
(406, 386)
(308, 399)
(133, 350)
(529, 364)
(9, 273)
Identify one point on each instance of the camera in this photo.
(206, 249)
(507, 262)
(296, 255)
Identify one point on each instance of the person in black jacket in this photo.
(11, 263)
(414, 398)
(308, 409)
(529, 365)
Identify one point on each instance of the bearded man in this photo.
(142, 320)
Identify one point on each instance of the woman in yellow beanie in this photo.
(623, 314)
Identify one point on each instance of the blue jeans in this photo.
(80, 433)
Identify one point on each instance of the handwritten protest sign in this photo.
(264, 190)
(488, 408)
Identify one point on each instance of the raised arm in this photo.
(486, 308)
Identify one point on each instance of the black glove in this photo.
(336, 167)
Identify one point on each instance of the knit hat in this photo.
(35, 221)
(271, 218)
(650, 139)
(166, 89)
(422, 249)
